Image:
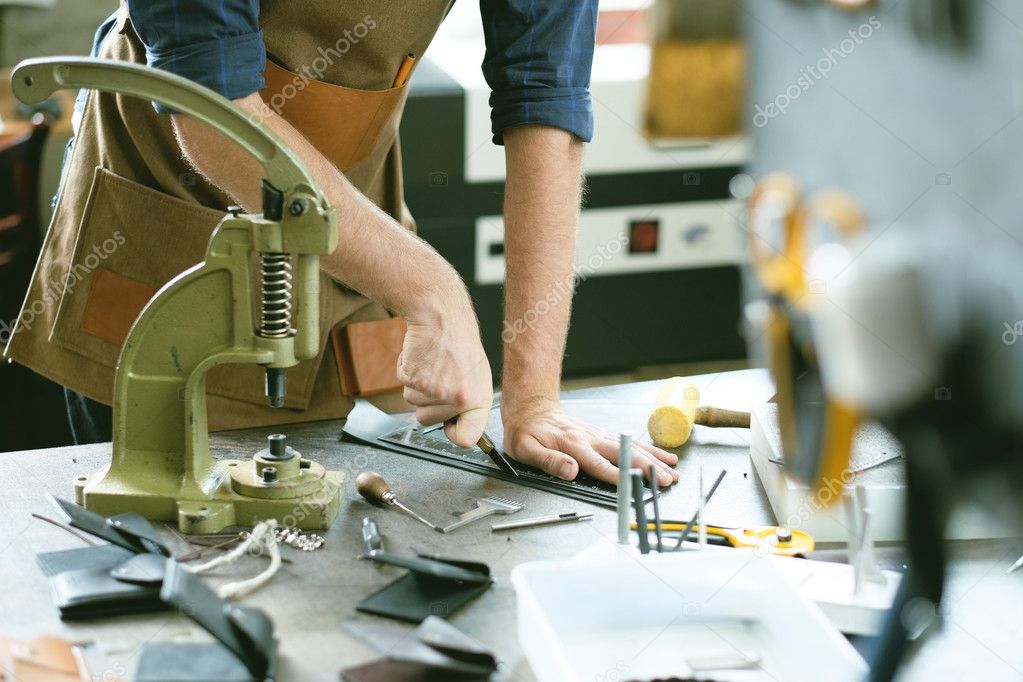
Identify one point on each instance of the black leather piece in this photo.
(190, 662)
(141, 569)
(412, 599)
(436, 569)
(439, 643)
(88, 594)
(100, 557)
(246, 632)
(437, 651)
(130, 530)
(141, 530)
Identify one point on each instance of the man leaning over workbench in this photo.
(152, 185)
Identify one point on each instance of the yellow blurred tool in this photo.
(678, 407)
(782, 541)
(816, 430)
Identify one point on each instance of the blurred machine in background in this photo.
(889, 247)
(658, 242)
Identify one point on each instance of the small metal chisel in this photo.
(487, 446)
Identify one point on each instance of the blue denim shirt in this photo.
(539, 54)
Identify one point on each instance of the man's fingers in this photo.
(640, 460)
(434, 414)
(467, 428)
(418, 398)
(669, 458)
(590, 461)
(554, 462)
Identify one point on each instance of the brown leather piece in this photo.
(367, 355)
(342, 123)
(113, 304)
(44, 659)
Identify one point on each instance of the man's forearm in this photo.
(541, 207)
(370, 242)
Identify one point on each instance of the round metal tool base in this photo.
(247, 479)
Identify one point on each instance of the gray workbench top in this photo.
(312, 600)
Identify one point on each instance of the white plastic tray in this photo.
(611, 615)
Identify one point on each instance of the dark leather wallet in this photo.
(130, 588)
(99, 557)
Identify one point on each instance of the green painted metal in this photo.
(161, 465)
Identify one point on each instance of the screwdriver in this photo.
(374, 488)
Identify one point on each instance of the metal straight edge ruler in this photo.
(371, 426)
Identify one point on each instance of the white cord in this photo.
(262, 539)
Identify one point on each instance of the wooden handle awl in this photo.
(720, 417)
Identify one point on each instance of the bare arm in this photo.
(541, 208)
(443, 365)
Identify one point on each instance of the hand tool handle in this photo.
(637, 498)
(624, 487)
(720, 417)
(541, 521)
(374, 488)
(657, 507)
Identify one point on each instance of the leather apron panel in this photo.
(124, 144)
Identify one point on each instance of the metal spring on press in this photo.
(275, 311)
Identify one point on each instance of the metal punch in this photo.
(486, 506)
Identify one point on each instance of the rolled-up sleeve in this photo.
(538, 62)
(216, 43)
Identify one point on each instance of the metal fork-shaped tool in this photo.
(486, 506)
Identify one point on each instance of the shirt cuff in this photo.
(570, 109)
(232, 67)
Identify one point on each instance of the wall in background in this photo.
(51, 27)
(64, 27)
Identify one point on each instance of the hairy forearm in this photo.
(375, 256)
(541, 207)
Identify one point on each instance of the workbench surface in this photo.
(312, 600)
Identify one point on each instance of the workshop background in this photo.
(887, 311)
(659, 246)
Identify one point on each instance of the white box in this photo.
(615, 615)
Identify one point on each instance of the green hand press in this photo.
(213, 313)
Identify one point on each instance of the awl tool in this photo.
(374, 488)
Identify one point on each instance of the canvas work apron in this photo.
(132, 213)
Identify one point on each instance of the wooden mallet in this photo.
(678, 407)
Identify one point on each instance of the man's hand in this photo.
(541, 207)
(446, 372)
(442, 363)
(540, 434)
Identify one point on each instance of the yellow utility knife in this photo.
(782, 541)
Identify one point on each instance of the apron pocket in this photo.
(344, 124)
(131, 241)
